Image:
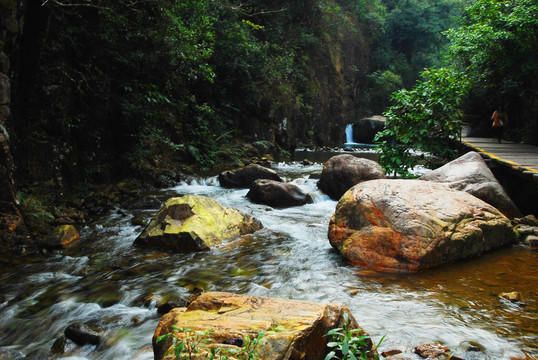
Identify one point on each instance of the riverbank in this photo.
(107, 283)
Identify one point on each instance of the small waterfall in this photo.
(349, 134)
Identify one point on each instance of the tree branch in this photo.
(241, 8)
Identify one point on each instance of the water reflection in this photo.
(111, 284)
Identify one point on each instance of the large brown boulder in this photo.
(343, 171)
(244, 177)
(292, 329)
(471, 174)
(195, 223)
(409, 225)
(277, 194)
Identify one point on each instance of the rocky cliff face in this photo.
(336, 72)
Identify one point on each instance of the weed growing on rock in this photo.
(350, 344)
(186, 344)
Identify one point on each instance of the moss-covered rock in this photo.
(195, 223)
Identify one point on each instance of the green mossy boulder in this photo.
(195, 223)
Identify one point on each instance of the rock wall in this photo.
(11, 224)
(336, 80)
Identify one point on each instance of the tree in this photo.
(426, 118)
(496, 48)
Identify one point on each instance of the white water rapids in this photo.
(113, 286)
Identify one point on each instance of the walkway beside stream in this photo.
(520, 157)
(515, 166)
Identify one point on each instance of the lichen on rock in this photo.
(195, 223)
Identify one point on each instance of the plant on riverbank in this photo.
(186, 344)
(350, 344)
(425, 118)
(34, 208)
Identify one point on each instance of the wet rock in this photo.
(244, 177)
(524, 230)
(167, 307)
(391, 352)
(81, 335)
(138, 221)
(364, 130)
(61, 237)
(471, 174)
(513, 296)
(195, 223)
(409, 225)
(60, 345)
(530, 220)
(432, 351)
(67, 216)
(277, 194)
(341, 172)
(292, 329)
(532, 242)
(147, 202)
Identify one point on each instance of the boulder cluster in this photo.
(456, 212)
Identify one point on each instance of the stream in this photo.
(113, 286)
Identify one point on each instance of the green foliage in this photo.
(186, 344)
(350, 344)
(426, 118)
(496, 48)
(413, 36)
(383, 85)
(34, 208)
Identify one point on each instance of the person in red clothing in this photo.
(500, 120)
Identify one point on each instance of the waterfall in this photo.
(349, 134)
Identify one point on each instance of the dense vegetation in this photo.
(108, 90)
(114, 89)
(491, 62)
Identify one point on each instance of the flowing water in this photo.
(113, 286)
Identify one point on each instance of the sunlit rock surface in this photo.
(471, 174)
(343, 171)
(409, 225)
(292, 329)
(194, 223)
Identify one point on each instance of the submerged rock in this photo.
(195, 223)
(244, 177)
(471, 174)
(277, 194)
(341, 172)
(409, 225)
(81, 334)
(292, 329)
